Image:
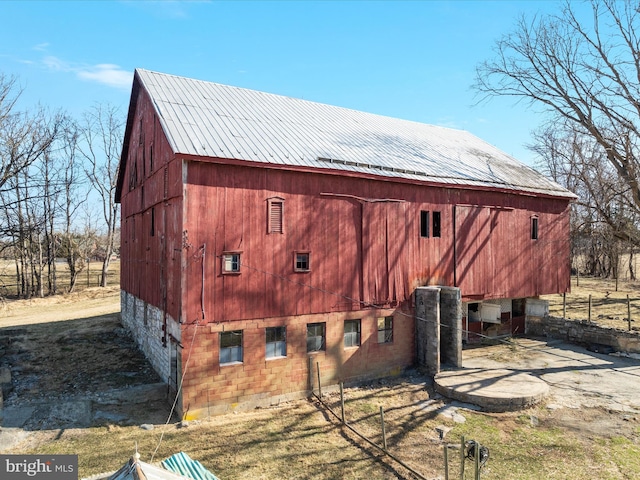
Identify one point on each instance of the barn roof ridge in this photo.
(208, 119)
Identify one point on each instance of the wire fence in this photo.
(606, 302)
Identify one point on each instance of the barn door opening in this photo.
(384, 237)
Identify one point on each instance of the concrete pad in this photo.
(496, 390)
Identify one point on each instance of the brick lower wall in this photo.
(210, 388)
(583, 332)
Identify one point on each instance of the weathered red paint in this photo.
(180, 215)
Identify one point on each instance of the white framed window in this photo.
(302, 261)
(231, 347)
(385, 329)
(231, 262)
(316, 337)
(351, 333)
(276, 342)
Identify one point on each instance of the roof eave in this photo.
(567, 195)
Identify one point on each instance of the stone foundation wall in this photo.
(146, 324)
(583, 333)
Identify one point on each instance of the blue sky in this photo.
(413, 60)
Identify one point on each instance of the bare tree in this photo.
(585, 72)
(26, 138)
(603, 216)
(102, 133)
(69, 198)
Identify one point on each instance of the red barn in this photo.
(263, 235)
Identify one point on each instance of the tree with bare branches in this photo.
(102, 136)
(584, 71)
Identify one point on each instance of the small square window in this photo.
(316, 337)
(385, 330)
(231, 263)
(231, 347)
(352, 333)
(302, 262)
(276, 343)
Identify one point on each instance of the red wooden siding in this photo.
(151, 226)
(365, 246)
(363, 236)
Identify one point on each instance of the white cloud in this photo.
(54, 63)
(104, 73)
(41, 47)
(107, 74)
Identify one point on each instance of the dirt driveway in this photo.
(577, 378)
(71, 364)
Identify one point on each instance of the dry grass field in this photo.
(608, 304)
(303, 440)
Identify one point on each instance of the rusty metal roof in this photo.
(213, 120)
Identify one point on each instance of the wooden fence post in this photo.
(589, 315)
(628, 312)
(446, 462)
(462, 444)
(342, 402)
(384, 434)
(564, 305)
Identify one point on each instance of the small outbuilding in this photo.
(264, 237)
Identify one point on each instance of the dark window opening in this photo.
(153, 222)
(518, 307)
(436, 224)
(424, 223)
(473, 312)
(534, 228)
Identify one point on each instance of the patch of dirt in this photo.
(73, 364)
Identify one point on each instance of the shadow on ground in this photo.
(76, 374)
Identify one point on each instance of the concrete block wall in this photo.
(210, 388)
(583, 333)
(145, 322)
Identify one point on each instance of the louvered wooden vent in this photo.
(276, 211)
